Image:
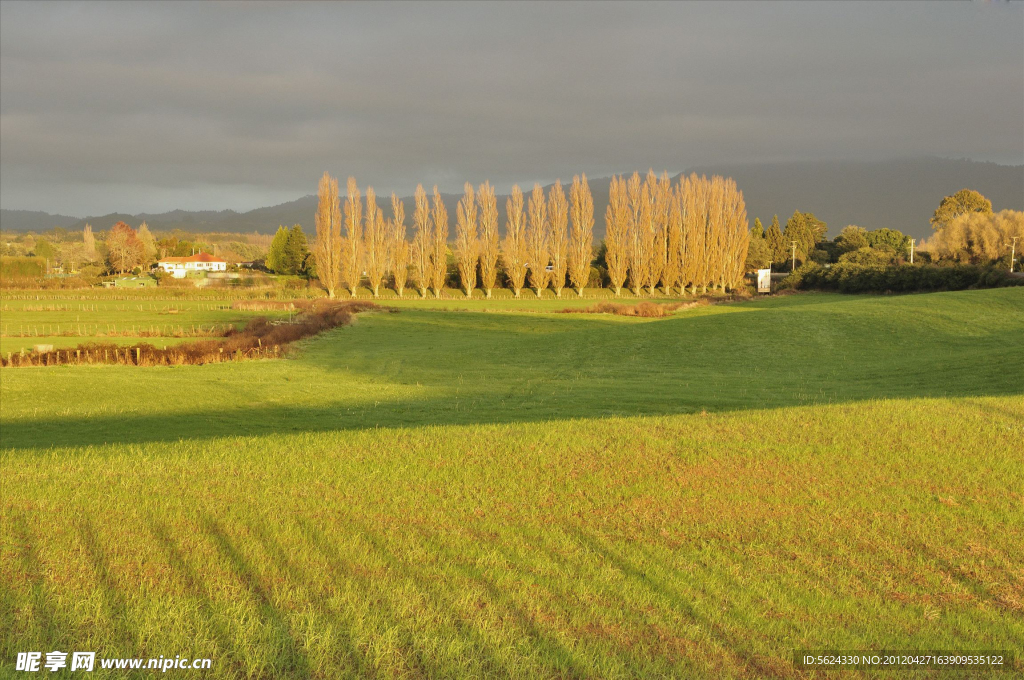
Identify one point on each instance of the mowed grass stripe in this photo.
(711, 543)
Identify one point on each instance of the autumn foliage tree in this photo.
(398, 247)
(616, 240)
(124, 249)
(89, 242)
(148, 242)
(641, 234)
(581, 240)
(675, 243)
(978, 237)
(422, 242)
(558, 219)
(375, 244)
(690, 233)
(439, 250)
(327, 250)
(489, 243)
(352, 251)
(466, 239)
(537, 240)
(513, 248)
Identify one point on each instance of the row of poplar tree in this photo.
(658, 233)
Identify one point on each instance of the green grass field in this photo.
(69, 322)
(462, 490)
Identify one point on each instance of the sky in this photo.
(148, 107)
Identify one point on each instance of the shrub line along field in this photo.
(463, 490)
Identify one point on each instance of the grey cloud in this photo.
(151, 106)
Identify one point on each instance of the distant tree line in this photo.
(965, 231)
(689, 234)
(971, 247)
(123, 249)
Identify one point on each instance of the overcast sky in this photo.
(154, 106)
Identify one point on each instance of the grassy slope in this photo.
(447, 492)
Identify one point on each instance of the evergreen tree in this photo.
(296, 249)
(758, 254)
(806, 230)
(276, 254)
(777, 249)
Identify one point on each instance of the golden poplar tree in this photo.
(616, 218)
(662, 208)
(634, 252)
(695, 229)
(467, 246)
(398, 247)
(375, 243)
(641, 234)
(513, 248)
(148, 242)
(489, 243)
(351, 259)
(735, 235)
(439, 251)
(558, 247)
(675, 248)
(712, 246)
(537, 240)
(582, 239)
(327, 249)
(89, 241)
(422, 242)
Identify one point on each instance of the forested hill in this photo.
(896, 194)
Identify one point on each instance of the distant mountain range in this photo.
(899, 194)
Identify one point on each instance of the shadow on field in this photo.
(729, 643)
(110, 590)
(192, 585)
(293, 655)
(420, 368)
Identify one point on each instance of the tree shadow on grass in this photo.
(440, 598)
(114, 603)
(292, 657)
(43, 623)
(479, 407)
(560, 660)
(193, 586)
(729, 642)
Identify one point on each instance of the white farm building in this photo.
(178, 267)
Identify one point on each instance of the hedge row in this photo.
(848, 277)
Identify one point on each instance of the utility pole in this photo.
(1013, 252)
(794, 256)
(912, 241)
